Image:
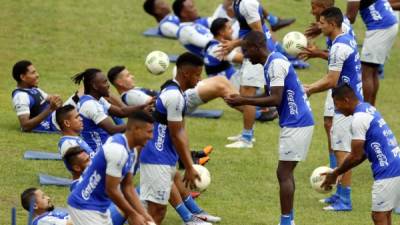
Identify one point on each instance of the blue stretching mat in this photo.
(45, 179)
(39, 155)
(153, 32)
(206, 113)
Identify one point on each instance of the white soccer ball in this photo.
(205, 178)
(157, 62)
(316, 179)
(293, 42)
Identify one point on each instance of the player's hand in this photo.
(190, 177)
(330, 179)
(312, 31)
(310, 52)
(148, 218)
(224, 48)
(234, 100)
(136, 219)
(55, 102)
(307, 88)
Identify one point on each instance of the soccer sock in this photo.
(191, 204)
(285, 220)
(184, 212)
(338, 190)
(247, 134)
(346, 195)
(291, 214)
(272, 20)
(332, 160)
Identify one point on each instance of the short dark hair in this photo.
(189, 59)
(148, 6)
(255, 38)
(333, 14)
(19, 68)
(70, 156)
(141, 116)
(114, 72)
(87, 76)
(26, 197)
(177, 7)
(61, 114)
(342, 91)
(217, 25)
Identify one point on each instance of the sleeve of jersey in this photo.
(21, 103)
(169, 29)
(360, 125)
(189, 35)
(174, 103)
(51, 220)
(136, 97)
(338, 55)
(115, 157)
(249, 9)
(277, 72)
(105, 103)
(94, 111)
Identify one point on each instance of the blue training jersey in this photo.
(160, 149)
(294, 109)
(89, 192)
(377, 14)
(344, 57)
(215, 66)
(67, 142)
(244, 26)
(93, 112)
(380, 147)
(168, 26)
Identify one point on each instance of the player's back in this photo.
(380, 146)
(377, 14)
(294, 109)
(67, 142)
(214, 65)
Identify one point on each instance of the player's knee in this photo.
(282, 175)
(157, 212)
(378, 218)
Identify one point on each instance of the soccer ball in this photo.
(316, 179)
(157, 62)
(205, 178)
(293, 42)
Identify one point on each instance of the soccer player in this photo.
(168, 23)
(33, 106)
(372, 139)
(43, 208)
(382, 28)
(344, 67)
(295, 116)
(159, 157)
(109, 177)
(95, 110)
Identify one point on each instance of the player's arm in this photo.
(235, 56)
(395, 4)
(195, 38)
(313, 52)
(352, 10)
(274, 99)
(108, 125)
(327, 82)
(124, 111)
(129, 191)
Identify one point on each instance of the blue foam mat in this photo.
(206, 113)
(45, 179)
(40, 155)
(153, 32)
(172, 57)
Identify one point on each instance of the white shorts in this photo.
(329, 109)
(235, 80)
(377, 44)
(156, 182)
(294, 143)
(193, 99)
(252, 75)
(386, 194)
(89, 217)
(341, 133)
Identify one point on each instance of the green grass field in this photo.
(62, 38)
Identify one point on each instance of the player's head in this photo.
(68, 118)
(222, 28)
(76, 160)
(344, 99)
(140, 127)
(185, 10)
(156, 8)
(121, 78)
(331, 19)
(188, 69)
(254, 47)
(24, 72)
(94, 81)
(40, 202)
(318, 6)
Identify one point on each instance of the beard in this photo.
(50, 208)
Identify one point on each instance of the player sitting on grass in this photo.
(95, 110)
(42, 208)
(159, 157)
(295, 117)
(109, 177)
(33, 106)
(371, 139)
